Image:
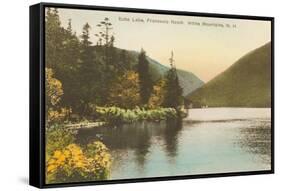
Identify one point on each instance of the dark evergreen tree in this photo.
(109, 55)
(104, 34)
(112, 56)
(88, 73)
(54, 38)
(105, 27)
(144, 77)
(86, 36)
(69, 71)
(173, 91)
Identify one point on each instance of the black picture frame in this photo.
(37, 94)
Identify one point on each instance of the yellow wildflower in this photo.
(57, 154)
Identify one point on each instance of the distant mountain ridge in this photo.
(247, 83)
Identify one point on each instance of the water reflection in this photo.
(142, 146)
(171, 134)
(136, 137)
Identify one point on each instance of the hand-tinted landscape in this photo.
(131, 95)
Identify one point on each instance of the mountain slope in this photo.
(188, 81)
(247, 83)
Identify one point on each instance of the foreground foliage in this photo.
(69, 162)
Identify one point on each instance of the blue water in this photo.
(210, 140)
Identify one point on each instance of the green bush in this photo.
(117, 115)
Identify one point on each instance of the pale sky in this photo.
(205, 50)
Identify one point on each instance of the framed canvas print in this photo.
(127, 95)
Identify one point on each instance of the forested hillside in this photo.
(247, 83)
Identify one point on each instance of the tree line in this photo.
(81, 74)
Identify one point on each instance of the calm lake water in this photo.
(209, 140)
